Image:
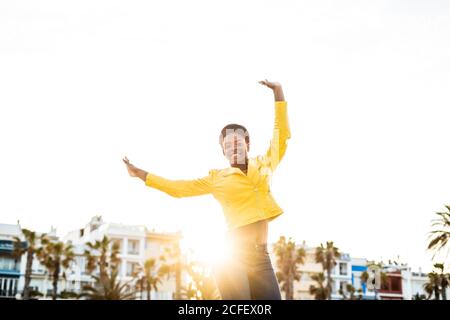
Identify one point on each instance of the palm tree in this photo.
(207, 288)
(203, 283)
(444, 280)
(140, 284)
(148, 277)
(350, 289)
(190, 292)
(320, 292)
(103, 264)
(55, 256)
(110, 288)
(173, 266)
(30, 247)
(433, 285)
(360, 294)
(441, 233)
(288, 259)
(327, 257)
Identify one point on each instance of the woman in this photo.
(243, 191)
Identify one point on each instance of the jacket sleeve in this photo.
(281, 133)
(182, 188)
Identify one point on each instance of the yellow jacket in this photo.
(244, 198)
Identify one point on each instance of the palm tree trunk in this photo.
(329, 283)
(436, 293)
(141, 288)
(26, 288)
(55, 282)
(178, 281)
(289, 291)
(444, 293)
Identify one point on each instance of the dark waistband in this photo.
(248, 246)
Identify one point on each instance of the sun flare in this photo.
(206, 246)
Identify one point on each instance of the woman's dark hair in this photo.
(234, 128)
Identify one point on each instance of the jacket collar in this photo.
(250, 170)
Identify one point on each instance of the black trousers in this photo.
(247, 275)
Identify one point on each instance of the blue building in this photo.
(9, 265)
(358, 267)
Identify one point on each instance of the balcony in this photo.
(8, 287)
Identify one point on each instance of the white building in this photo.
(136, 245)
(413, 284)
(341, 274)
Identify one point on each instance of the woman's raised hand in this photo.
(271, 85)
(276, 88)
(132, 170)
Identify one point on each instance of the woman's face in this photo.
(235, 148)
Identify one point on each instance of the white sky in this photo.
(85, 83)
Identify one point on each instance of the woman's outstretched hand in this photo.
(276, 87)
(131, 168)
(134, 171)
(271, 85)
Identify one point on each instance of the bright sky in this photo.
(85, 83)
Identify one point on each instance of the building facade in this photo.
(9, 264)
(341, 274)
(401, 283)
(136, 245)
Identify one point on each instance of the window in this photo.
(396, 284)
(37, 267)
(7, 263)
(131, 268)
(342, 286)
(133, 246)
(343, 268)
(81, 263)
